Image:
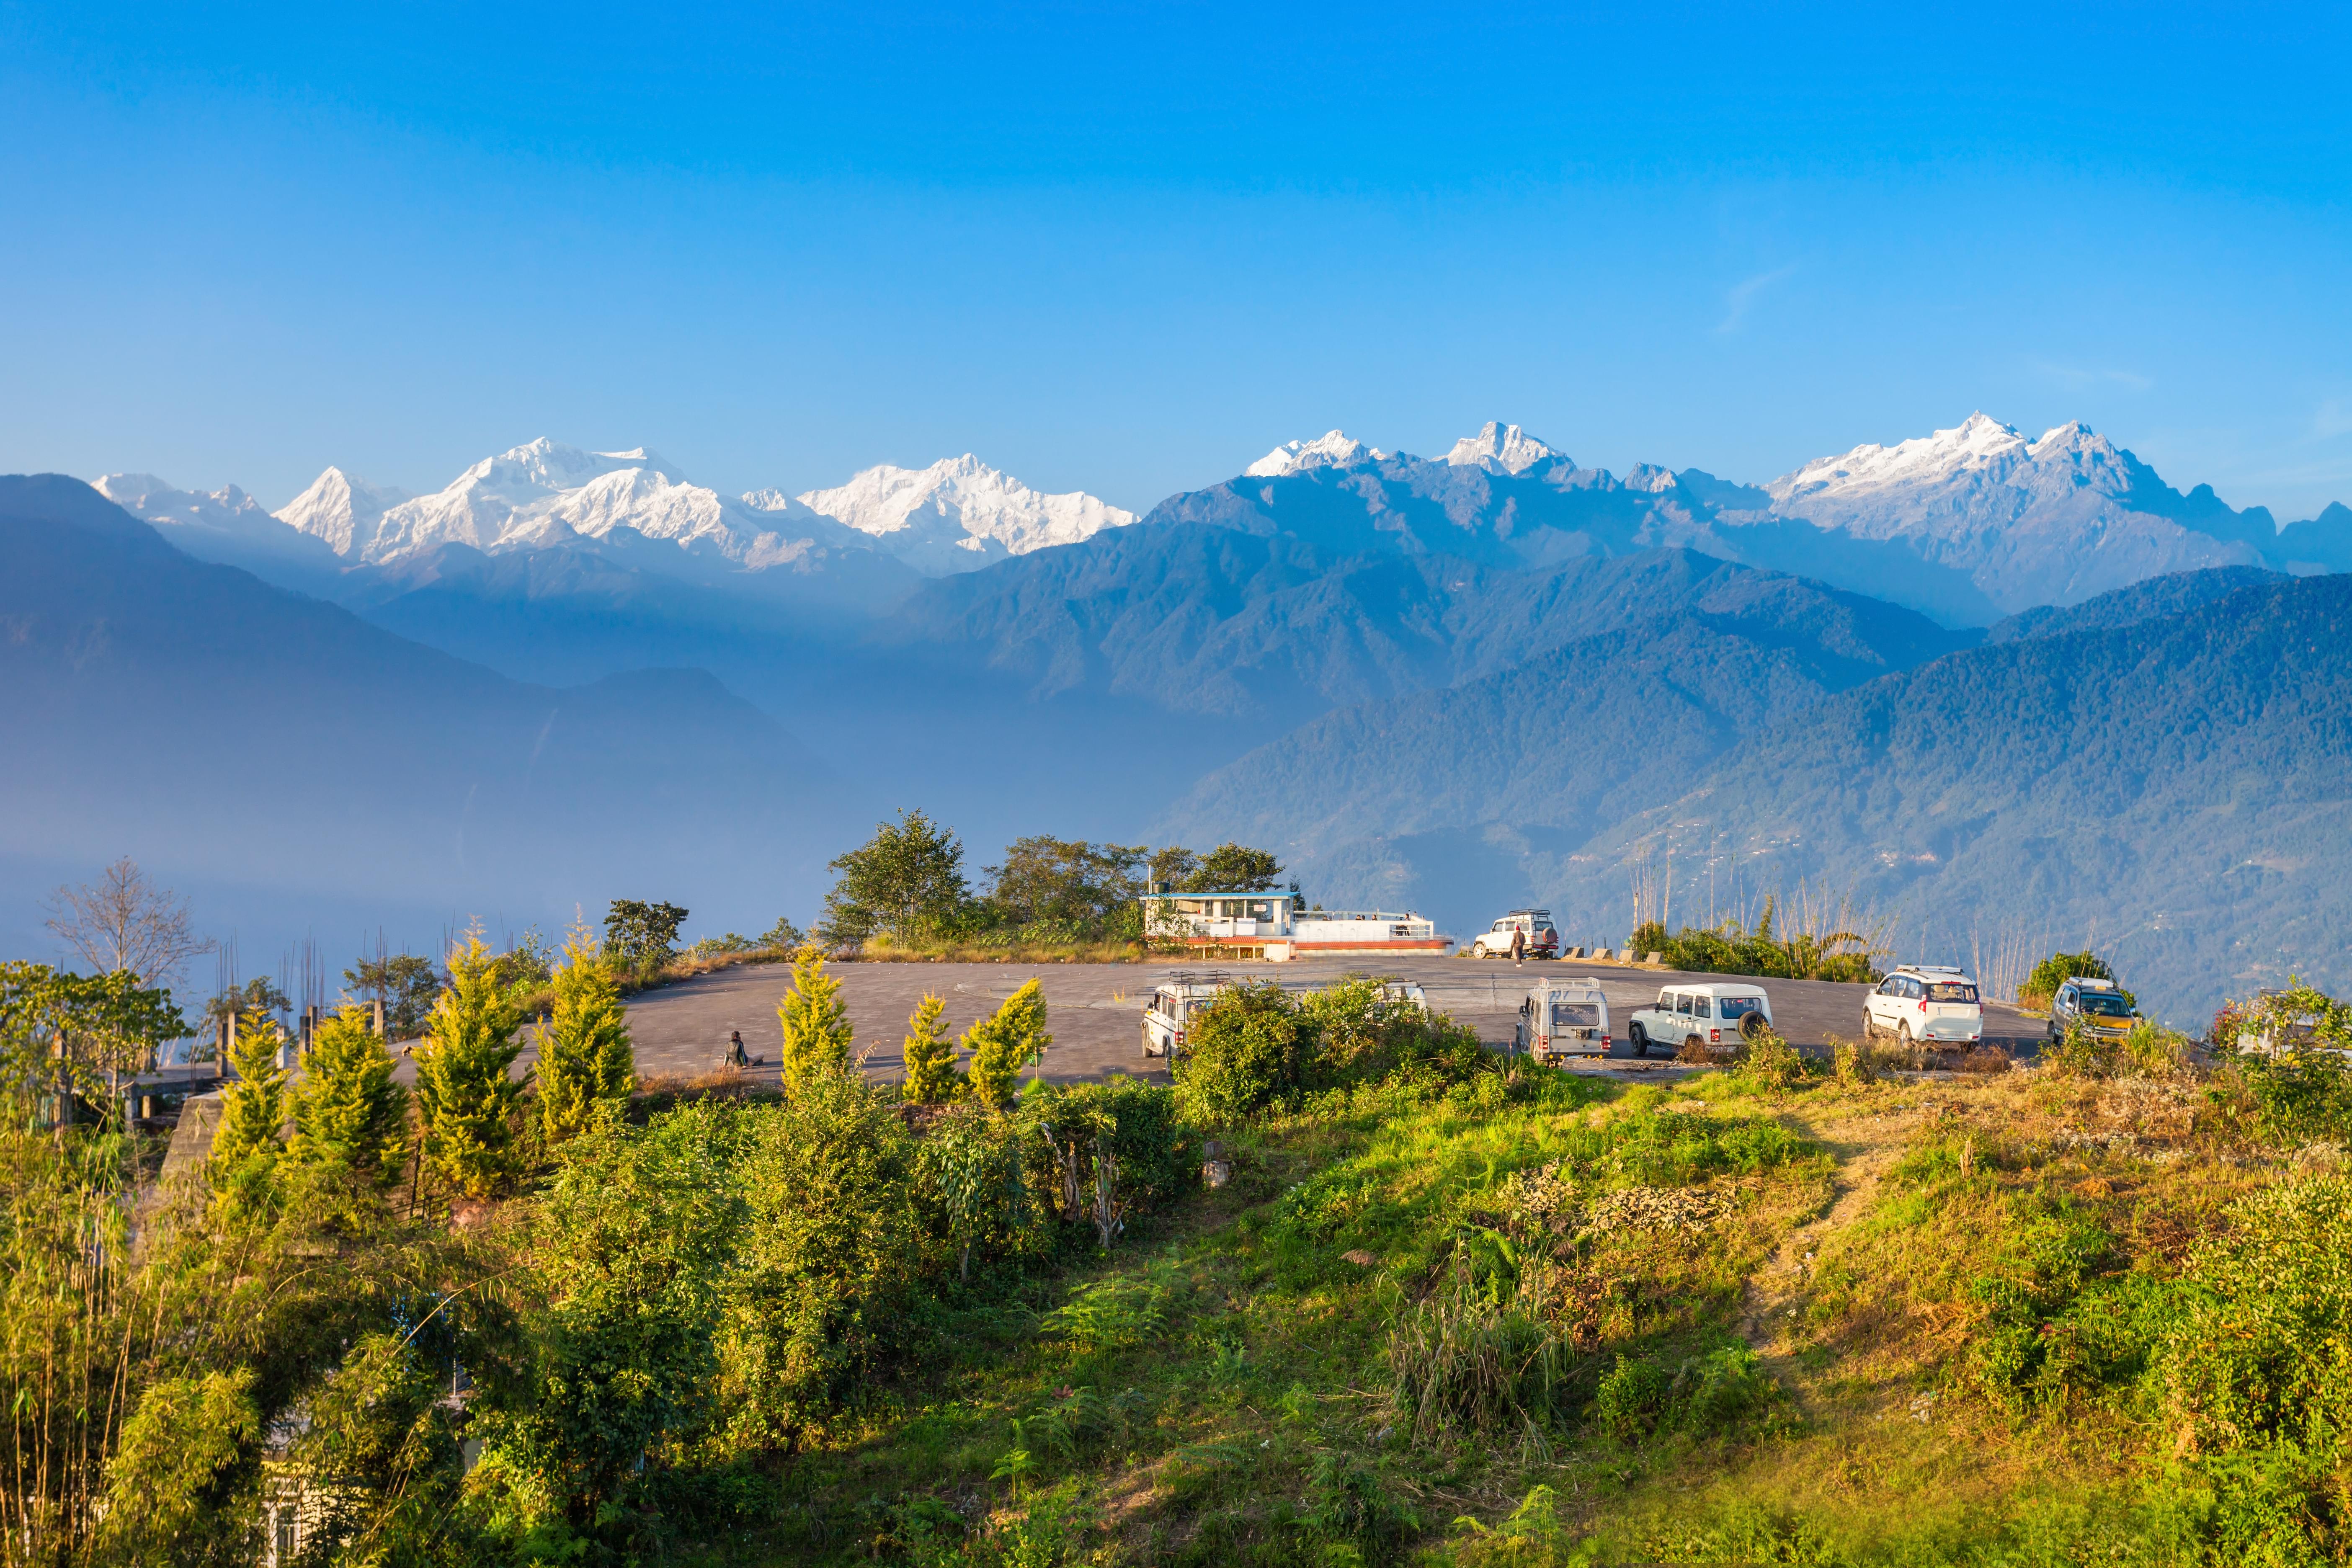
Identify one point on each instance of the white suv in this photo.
(1542, 937)
(1929, 1003)
(1715, 1015)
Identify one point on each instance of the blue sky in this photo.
(1129, 247)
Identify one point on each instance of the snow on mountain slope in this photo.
(545, 494)
(228, 511)
(2059, 519)
(1333, 450)
(336, 507)
(1505, 448)
(958, 515)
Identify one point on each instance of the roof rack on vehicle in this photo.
(1196, 977)
(2091, 981)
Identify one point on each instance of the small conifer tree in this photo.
(586, 1068)
(815, 1023)
(347, 1111)
(253, 1109)
(1006, 1041)
(932, 1075)
(469, 1105)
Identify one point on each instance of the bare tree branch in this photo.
(124, 921)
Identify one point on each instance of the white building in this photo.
(1270, 925)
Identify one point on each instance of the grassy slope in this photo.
(1232, 1401)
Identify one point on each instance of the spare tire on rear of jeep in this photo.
(1753, 1024)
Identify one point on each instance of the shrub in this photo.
(932, 1077)
(2083, 1053)
(253, 1107)
(1769, 1062)
(1851, 1064)
(1460, 1363)
(1631, 1395)
(346, 1110)
(815, 1023)
(972, 1168)
(467, 1103)
(833, 1257)
(1244, 1051)
(586, 1068)
(1119, 1144)
(1721, 1388)
(2255, 1377)
(1006, 1041)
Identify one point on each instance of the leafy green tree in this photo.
(835, 1252)
(1006, 1041)
(905, 880)
(1246, 1049)
(1045, 879)
(1173, 867)
(253, 1107)
(258, 995)
(815, 1024)
(932, 1075)
(467, 1103)
(1234, 868)
(642, 934)
(405, 985)
(2055, 971)
(346, 1110)
(971, 1164)
(110, 1026)
(783, 936)
(586, 1068)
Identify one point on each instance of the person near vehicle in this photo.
(1519, 945)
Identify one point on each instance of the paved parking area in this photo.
(1094, 1010)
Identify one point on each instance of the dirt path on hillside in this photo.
(1867, 1149)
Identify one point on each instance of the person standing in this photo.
(1519, 945)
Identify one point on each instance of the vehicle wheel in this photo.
(1903, 1036)
(1693, 1046)
(1869, 1027)
(1640, 1041)
(1753, 1024)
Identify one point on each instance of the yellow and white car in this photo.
(2100, 1006)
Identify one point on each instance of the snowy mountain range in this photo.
(958, 515)
(1967, 524)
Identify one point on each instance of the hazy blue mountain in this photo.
(2174, 594)
(229, 734)
(2175, 789)
(1689, 657)
(2323, 543)
(1201, 618)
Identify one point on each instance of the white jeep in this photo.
(1168, 1016)
(1712, 1016)
(1563, 1018)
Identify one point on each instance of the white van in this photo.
(1717, 1015)
(1563, 1018)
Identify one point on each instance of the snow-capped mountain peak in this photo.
(227, 510)
(1979, 444)
(1333, 450)
(1503, 448)
(336, 507)
(957, 515)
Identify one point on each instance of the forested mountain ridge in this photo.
(2179, 788)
